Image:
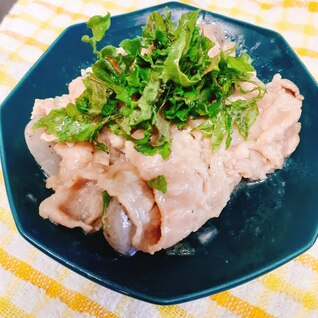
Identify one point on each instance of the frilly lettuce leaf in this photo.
(173, 81)
(68, 124)
(98, 25)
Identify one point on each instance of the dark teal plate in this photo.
(263, 226)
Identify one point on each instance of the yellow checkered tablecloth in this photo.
(33, 285)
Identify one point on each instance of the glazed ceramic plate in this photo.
(264, 225)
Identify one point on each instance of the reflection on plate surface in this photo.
(264, 225)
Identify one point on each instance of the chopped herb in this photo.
(100, 146)
(172, 82)
(69, 124)
(158, 183)
(106, 201)
(99, 25)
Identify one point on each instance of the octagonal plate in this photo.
(264, 225)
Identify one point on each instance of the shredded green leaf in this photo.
(68, 124)
(165, 77)
(99, 25)
(100, 146)
(158, 183)
(106, 201)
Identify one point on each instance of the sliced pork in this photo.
(77, 201)
(273, 137)
(199, 181)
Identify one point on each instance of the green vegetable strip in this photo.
(106, 201)
(158, 183)
(174, 81)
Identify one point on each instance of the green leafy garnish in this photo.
(165, 77)
(106, 201)
(99, 25)
(69, 124)
(172, 69)
(100, 146)
(158, 183)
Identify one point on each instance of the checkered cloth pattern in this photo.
(33, 285)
